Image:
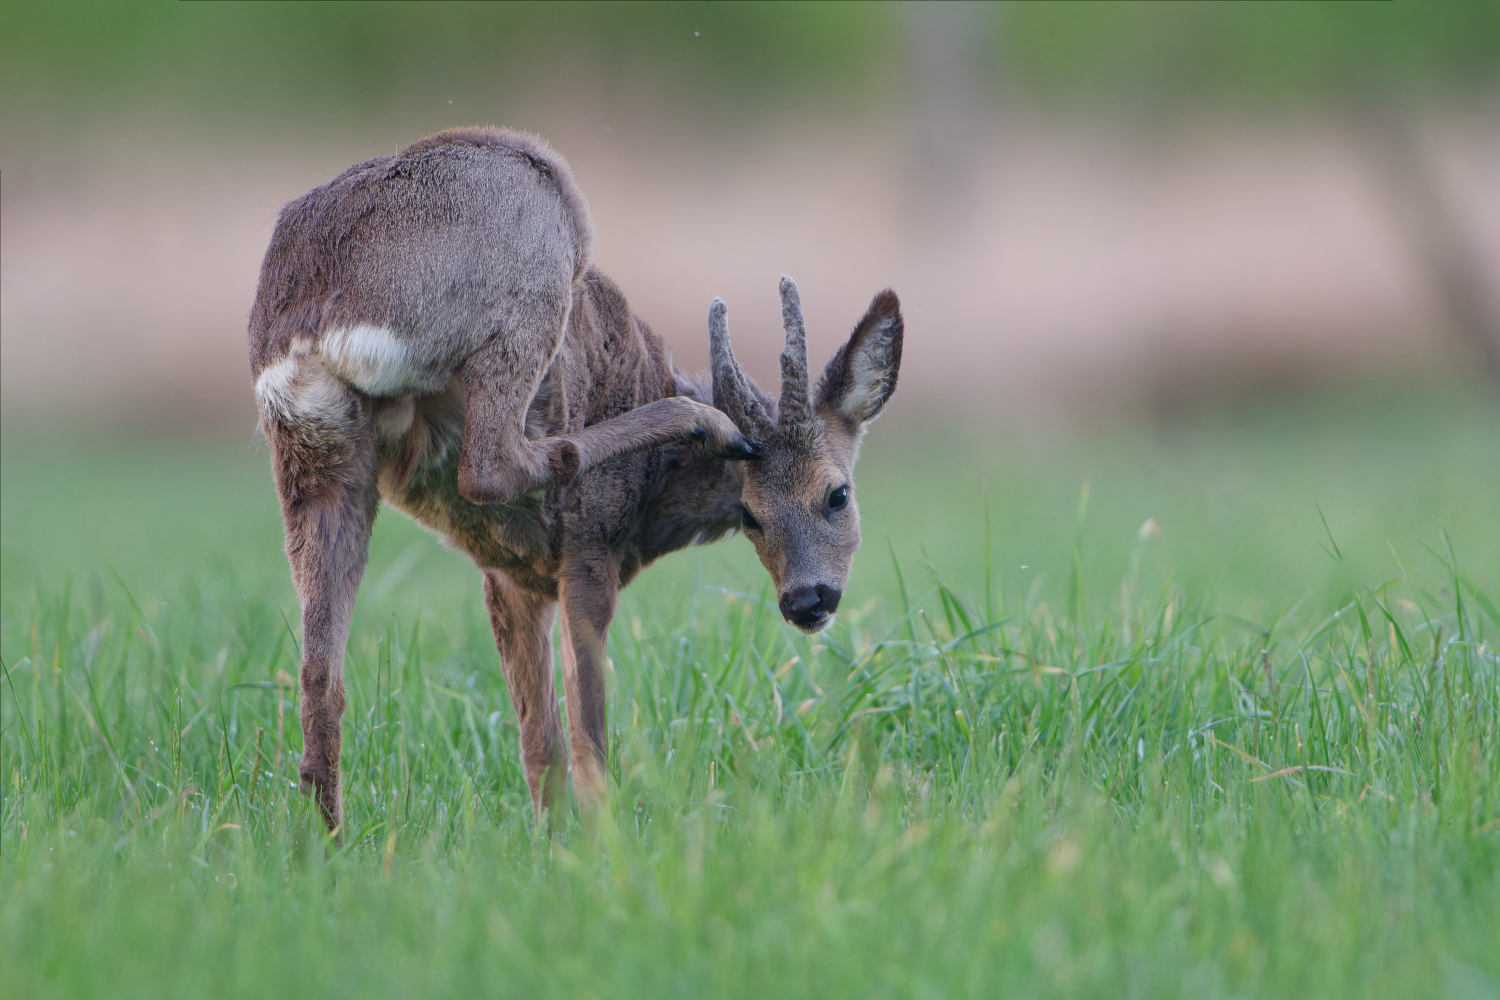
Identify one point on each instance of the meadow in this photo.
(1206, 708)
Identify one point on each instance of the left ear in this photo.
(862, 375)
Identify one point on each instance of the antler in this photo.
(733, 391)
(794, 409)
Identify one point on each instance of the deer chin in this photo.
(815, 626)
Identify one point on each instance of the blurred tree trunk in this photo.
(1453, 265)
(950, 48)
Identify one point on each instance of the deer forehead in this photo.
(794, 479)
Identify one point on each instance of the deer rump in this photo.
(429, 329)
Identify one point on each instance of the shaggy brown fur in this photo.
(429, 329)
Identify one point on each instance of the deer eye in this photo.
(838, 498)
(748, 519)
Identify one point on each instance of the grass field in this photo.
(1252, 751)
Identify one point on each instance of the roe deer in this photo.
(429, 329)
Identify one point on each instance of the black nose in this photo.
(809, 605)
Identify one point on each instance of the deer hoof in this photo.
(741, 448)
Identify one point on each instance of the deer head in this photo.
(797, 502)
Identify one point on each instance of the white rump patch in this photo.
(298, 386)
(371, 359)
(317, 376)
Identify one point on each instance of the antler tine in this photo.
(794, 408)
(732, 391)
(719, 351)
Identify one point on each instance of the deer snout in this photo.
(810, 608)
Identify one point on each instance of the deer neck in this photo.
(698, 496)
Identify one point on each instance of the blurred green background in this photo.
(316, 60)
(1278, 506)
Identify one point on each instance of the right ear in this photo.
(862, 375)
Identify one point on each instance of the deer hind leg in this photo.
(499, 463)
(675, 418)
(588, 587)
(323, 454)
(522, 621)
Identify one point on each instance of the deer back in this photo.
(403, 265)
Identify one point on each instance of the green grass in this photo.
(1253, 756)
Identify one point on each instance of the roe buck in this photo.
(429, 329)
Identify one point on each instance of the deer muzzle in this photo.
(810, 608)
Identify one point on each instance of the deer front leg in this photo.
(587, 589)
(522, 621)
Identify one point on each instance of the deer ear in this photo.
(862, 375)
